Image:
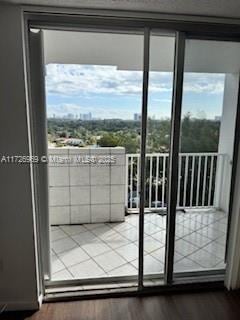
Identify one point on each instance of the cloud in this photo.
(162, 100)
(76, 80)
(204, 83)
(84, 80)
(63, 109)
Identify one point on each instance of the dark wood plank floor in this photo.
(217, 305)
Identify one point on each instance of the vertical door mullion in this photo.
(143, 154)
(174, 155)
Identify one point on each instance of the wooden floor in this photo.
(217, 305)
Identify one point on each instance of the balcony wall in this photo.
(82, 192)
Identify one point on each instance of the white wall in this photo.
(18, 284)
(86, 192)
(232, 280)
(226, 140)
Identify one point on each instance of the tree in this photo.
(197, 135)
(108, 140)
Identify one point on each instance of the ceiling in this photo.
(125, 51)
(220, 8)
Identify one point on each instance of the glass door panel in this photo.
(94, 93)
(157, 153)
(210, 91)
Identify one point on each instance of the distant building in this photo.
(68, 116)
(137, 117)
(86, 116)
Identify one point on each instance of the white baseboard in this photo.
(40, 300)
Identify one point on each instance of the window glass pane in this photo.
(94, 91)
(158, 139)
(210, 91)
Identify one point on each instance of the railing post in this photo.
(218, 180)
(126, 183)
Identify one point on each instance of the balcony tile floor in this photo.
(111, 249)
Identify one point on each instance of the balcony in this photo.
(94, 209)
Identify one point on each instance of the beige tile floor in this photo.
(111, 249)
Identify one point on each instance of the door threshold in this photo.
(128, 289)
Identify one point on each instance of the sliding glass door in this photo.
(140, 133)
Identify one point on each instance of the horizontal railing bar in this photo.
(181, 154)
(163, 209)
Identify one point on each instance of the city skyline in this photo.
(135, 117)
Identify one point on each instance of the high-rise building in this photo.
(70, 116)
(86, 116)
(137, 117)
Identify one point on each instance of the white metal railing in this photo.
(198, 175)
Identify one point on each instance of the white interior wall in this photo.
(232, 280)
(226, 140)
(18, 280)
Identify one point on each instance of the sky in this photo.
(107, 92)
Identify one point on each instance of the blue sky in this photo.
(110, 93)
